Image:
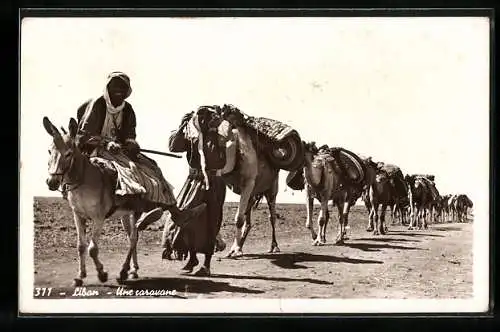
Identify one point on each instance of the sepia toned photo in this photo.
(254, 164)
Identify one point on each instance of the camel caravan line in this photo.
(248, 153)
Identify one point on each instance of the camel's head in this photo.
(61, 152)
(369, 163)
(469, 202)
(410, 180)
(233, 115)
(310, 147)
(208, 117)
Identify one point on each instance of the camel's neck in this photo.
(245, 143)
(312, 174)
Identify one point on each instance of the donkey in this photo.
(252, 177)
(91, 197)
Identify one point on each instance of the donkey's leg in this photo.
(129, 224)
(309, 210)
(82, 248)
(240, 218)
(94, 250)
(271, 203)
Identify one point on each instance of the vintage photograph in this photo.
(254, 164)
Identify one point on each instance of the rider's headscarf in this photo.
(116, 74)
(113, 117)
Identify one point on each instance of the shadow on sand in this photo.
(377, 246)
(190, 285)
(410, 233)
(386, 239)
(290, 260)
(445, 229)
(284, 279)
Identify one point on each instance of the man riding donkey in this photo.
(107, 130)
(203, 136)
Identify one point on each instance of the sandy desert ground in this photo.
(425, 264)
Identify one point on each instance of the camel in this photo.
(382, 190)
(92, 200)
(461, 205)
(424, 193)
(445, 207)
(325, 183)
(400, 210)
(253, 177)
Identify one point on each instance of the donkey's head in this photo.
(61, 151)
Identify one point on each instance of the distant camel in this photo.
(385, 186)
(331, 174)
(424, 194)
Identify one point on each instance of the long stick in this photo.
(161, 153)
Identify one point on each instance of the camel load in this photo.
(280, 143)
(345, 163)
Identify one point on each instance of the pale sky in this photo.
(409, 91)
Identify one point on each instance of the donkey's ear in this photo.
(73, 127)
(49, 127)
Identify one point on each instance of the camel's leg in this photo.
(393, 214)
(375, 218)
(424, 219)
(347, 210)
(323, 213)
(371, 215)
(340, 233)
(94, 250)
(247, 225)
(373, 210)
(382, 226)
(325, 225)
(413, 218)
(309, 209)
(240, 218)
(82, 248)
(192, 262)
(271, 203)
